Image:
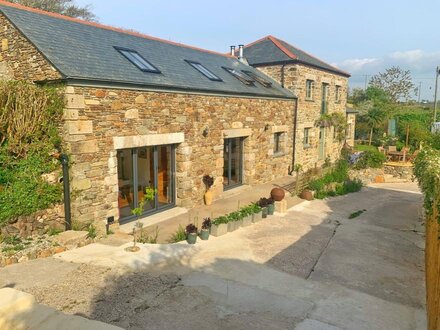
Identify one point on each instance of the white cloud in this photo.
(421, 64)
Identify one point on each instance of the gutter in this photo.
(295, 123)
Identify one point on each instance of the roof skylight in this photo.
(135, 58)
(244, 78)
(199, 67)
(256, 77)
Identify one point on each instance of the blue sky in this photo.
(362, 37)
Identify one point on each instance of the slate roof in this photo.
(84, 51)
(270, 50)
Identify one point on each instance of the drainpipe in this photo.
(282, 75)
(66, 183)
(295, 119)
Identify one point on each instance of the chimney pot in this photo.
(240, 51)
(232, 50)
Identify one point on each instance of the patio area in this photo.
(168, 222)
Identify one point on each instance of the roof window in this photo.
(244, 78)
(261, 80)
(135, 58)
(199, 67)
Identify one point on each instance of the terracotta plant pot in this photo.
(208, 197)
(277, 194)
(307, 195)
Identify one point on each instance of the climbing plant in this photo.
(335, 119)
(427, 171)
(30, 116)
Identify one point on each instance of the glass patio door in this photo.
(233, 163)
(142, 168)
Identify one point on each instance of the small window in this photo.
(277, 146)
(135, 58)
(309, 89)
(306, 140)
(199, 67)
(258, 78)
(244, 78)
(338, 93)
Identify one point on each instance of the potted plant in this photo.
(270, 206)
(235, 221)
(206, 227)
(209, 182)
(256, 212)
(264, 204)
(277, 194)
(246, 213)
(219, 226)
(191, 233)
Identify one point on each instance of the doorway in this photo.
(233, 163)
(321, 155)
(142, 168)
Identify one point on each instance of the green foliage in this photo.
(29, 121)
(91, 231)
(435, 141)
(178, 236)
(427, 171)
(235, 216)
(364, 147)
(145, 238)
(220, 220)
(370, 159)
(149, 195)
(335, 119)
(54, 231)
(336, 182)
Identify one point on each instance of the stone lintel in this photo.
(280, 128)
(236, 132)
(123, 142)
(310, 76)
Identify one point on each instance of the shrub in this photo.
(191, 229)
(220, 220)
(235, 216)
(370, 158)
(178, 236)
(91, 231)
(206, 224)
(265, 202)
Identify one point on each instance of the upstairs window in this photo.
(199, 67)
(309, 89)
(135, 58)
(306, 138)
(256, 77)
(244, 78)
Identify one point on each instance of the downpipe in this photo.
(66, 185)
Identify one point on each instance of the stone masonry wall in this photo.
(93, 117)
(351, 124)
(19, 59)
(309, 110)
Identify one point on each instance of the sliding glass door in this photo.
(233, 163)
(142, 168)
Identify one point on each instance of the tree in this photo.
(397, 83)
(375, 118)
(64, 7)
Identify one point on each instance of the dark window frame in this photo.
(278, 143)
(244, 78)
(257, 78)
(195, 64)
(121, 51)
(306, 138)
(311, 83)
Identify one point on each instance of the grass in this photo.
(356, 214)
(364, 147)
(178, 236)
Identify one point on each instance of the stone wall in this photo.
(36, 224)
(100, 121)
(351, 125)
(294, 77)
(19, 59)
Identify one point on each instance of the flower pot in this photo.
(219, 230)
(204, 234)
(239, 223)
(257, 217)
(277, 194)
(270, 209)
(208, 197)
(307, 195)
(264, 212)
(247, 221)
(191, 238)
(232, 226)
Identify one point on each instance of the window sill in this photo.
(310, 100)
(307, 146)
(279, 154)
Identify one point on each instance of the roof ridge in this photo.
(332, 66)
(107, 27)
(277, 43)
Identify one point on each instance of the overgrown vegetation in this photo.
(336, 182)
(178, 236)
(356, 214)
(372, 158)
(29, 139)
(427, 171)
